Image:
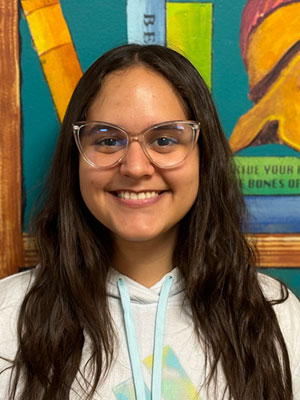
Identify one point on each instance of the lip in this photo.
(138, 202)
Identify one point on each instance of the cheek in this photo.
(90, 183)
(192, 187)
(85, 190)
(90, 177)
(185, 181)
(192, 174)
(84, 182)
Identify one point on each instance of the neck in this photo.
(146, 262)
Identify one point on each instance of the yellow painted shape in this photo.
(281, 103)
(53, 43)
(62, 76)
(271, 40)
(48, 28)
(189, 31)
(33, 5)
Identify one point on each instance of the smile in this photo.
(126, 195)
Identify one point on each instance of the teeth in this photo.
(136, 196)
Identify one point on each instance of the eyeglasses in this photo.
(166, 145)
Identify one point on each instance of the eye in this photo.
(110, 142)
(165, 141)
(102, 138)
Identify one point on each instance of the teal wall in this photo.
(97, 26)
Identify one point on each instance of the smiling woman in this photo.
(145, 275)
(137, 98)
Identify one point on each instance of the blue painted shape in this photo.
(146, 21)
(271, 214)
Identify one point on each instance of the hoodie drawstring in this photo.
(134, 356)
(159, 338)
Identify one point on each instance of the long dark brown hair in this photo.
(67, 302)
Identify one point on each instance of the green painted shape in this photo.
(269, 175)
(189, 31)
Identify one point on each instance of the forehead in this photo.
(135, 76)
(134, 92)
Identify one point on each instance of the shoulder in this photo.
(288, 311)
(273, 290)
(288, 316)
(12, 292)
(14, 287)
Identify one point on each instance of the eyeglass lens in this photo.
(166, 145)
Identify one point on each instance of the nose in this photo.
(135, 163)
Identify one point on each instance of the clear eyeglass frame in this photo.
(133, 137)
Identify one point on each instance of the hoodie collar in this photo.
(143, 295)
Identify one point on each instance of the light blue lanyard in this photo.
(134, 356)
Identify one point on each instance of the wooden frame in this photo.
(11, 246)
(278, 250)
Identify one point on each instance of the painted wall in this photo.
(96, 26)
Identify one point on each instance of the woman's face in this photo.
(135, 99)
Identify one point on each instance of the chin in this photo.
(136, 237)
(145, 234)
(138, 233)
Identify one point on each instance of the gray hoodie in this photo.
(142, 338)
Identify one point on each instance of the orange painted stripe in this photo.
(54, 46)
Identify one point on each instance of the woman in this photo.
(142, 209)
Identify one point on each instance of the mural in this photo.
(179, 25)
(271, 58)
(59, 42)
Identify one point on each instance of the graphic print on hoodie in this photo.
(175, 382)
